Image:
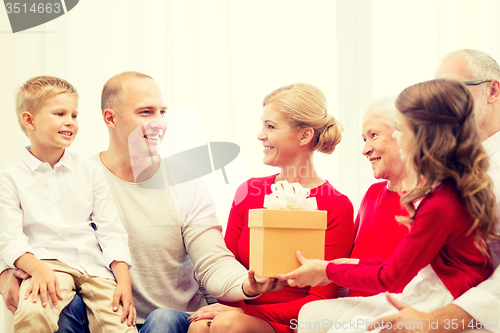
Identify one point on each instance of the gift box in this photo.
(276, 236)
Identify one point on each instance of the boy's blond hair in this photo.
(32, 94)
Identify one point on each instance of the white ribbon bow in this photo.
(289, 196)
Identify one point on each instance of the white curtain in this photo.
(224, 56)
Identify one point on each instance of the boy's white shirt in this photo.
(36, 201)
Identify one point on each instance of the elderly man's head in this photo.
(481, 73)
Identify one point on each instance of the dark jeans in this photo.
(73, 319)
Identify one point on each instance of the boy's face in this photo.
(55, 124)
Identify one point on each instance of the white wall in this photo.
(225, 56)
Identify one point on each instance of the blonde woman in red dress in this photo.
(295, 124)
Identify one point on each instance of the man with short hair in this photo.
(479, 307)
(171, 223)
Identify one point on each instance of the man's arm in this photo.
(479, 307)
(482, 303)
(408, 320)
(216, 266)
(218, 271)
(10, 280)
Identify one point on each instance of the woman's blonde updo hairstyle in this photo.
(304, 106)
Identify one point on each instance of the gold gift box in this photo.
(276, 236)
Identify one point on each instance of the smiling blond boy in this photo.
(58, 222)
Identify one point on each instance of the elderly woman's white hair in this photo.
(384, 108)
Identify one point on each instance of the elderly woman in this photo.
(377, 231)
(452, 212)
